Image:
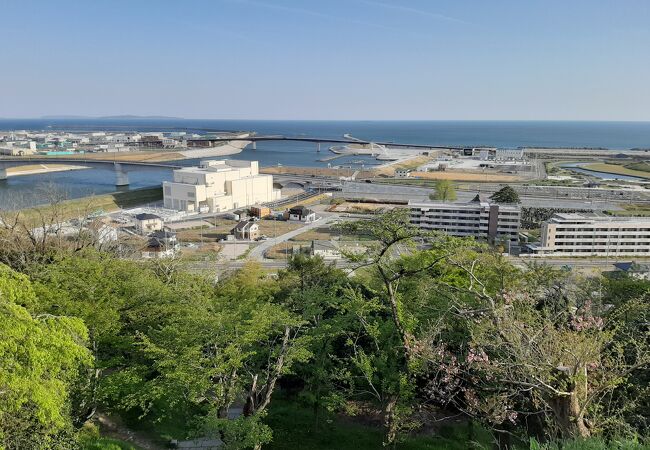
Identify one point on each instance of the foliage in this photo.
(505, 195)
(425, 325)
(41, 358)
(444, 191)
(590, 444)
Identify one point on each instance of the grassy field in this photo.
(617, 169)
(295, 427)
(632, 209)
(643, 166)
(69, 209)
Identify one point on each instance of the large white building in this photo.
(478, 218)
(217, 186)
(584, 235)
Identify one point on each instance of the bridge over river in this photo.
(120, 168)
(318, 140)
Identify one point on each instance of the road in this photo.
(259, 251)
(394, 192)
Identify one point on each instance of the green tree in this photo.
(444, 191)
(223, 346)
(505, 195)
(41, 359)
(388, 304)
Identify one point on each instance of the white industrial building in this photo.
(478, 218)
(584, 235)
(217, 186)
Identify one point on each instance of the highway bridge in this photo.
(121, 168)
(317, 140)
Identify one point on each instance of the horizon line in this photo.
(163, 117)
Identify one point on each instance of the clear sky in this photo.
(327, 59)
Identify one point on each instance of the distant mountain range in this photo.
(123, 117)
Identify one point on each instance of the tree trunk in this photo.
(569, 417)
(390, 422)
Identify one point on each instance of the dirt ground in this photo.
(352, 207)
(466, 176)
(411, 163)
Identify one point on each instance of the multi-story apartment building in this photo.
(217, 186)
(478, 218)
(585, 235)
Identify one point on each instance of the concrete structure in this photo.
(246, 230)
(509, 154)
(325, 249)
(402, 173)
(217, 186)
(589, 235)
(301, 213)
(478, 218)
(102, 233)
(147, 223)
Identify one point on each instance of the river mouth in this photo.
(578, 168)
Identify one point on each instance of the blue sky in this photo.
(327, 59)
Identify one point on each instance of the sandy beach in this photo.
(35, 169)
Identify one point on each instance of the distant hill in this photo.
(123, 117)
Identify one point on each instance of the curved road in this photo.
(258, 252)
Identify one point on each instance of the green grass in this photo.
(616, 169)
(643, 166)
(632, 210)
(69, 209)
(295, 427)
(109, 444)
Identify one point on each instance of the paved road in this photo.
(404, 193)
(258, 252)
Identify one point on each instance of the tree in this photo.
(391, 314)
(444, 191)
(212, 348)
(41, 359)
(538, 347)
(505, 195)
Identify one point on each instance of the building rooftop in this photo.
(161, 234)
(593, 218)
(324, 245)
(300, 209)
(146, 216)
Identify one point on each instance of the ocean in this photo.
(24, 190)
(612, 135)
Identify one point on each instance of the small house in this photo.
(161, 244)
(246, 230)
(146, 223)
(302, 214)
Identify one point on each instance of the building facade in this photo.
(146, 223)
(479, 219)
(217, 186)
(586, 235)
(301, 213)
